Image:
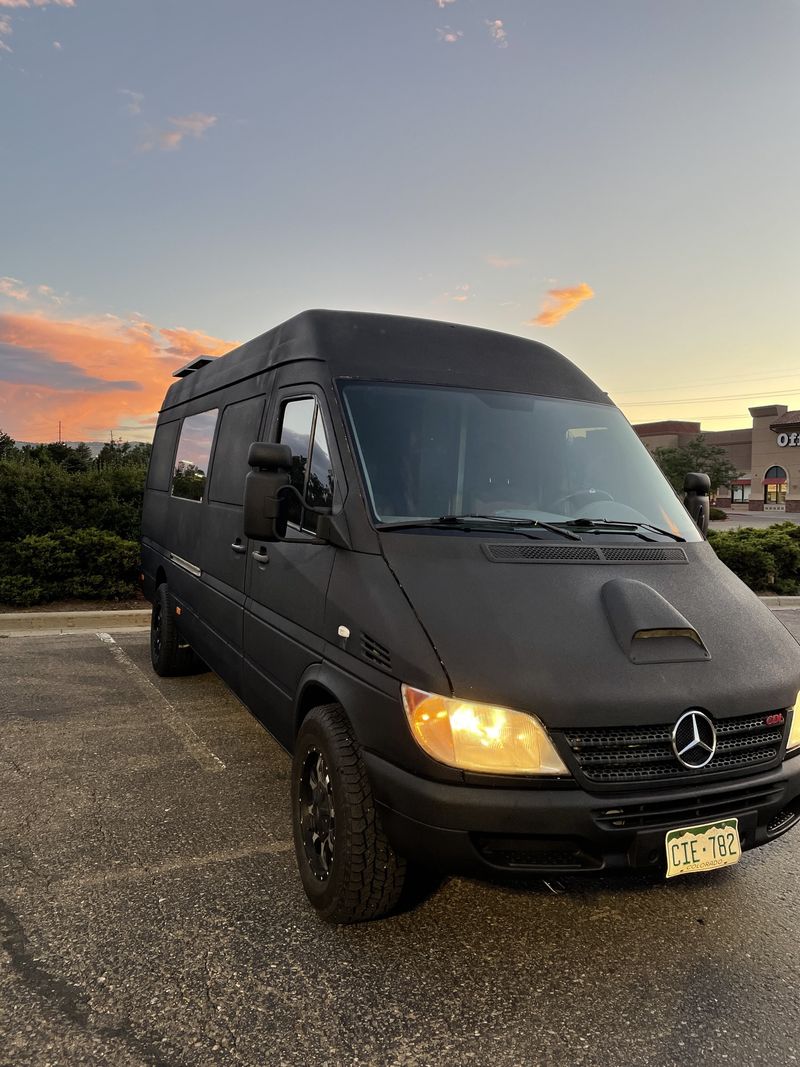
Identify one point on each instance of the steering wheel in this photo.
(582, 497)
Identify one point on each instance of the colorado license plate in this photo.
(703, 848)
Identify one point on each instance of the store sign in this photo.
(792, 440)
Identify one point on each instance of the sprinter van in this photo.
(440, 567)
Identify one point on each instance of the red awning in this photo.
(740, 481)
(774, 481)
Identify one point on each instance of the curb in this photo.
(60, 622)
(781, 601)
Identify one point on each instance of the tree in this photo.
(696, 455)
(7, 445)
(124, 454)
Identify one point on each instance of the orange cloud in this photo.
(95, 375)
(559, 302)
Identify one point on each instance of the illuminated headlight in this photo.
(480, 737)
(794, 726)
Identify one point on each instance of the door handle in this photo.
(237, 546)
(261, 556)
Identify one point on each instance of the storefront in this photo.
(764, 454)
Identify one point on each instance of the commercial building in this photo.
(764, 454)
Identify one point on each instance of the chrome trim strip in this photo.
(185, 565)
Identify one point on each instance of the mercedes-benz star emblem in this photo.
(694, 740)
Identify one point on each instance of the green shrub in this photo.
(768, 560)
(37, 498)
(717, 513)
(68, 564)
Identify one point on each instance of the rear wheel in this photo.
(169, 653)
(349, 870)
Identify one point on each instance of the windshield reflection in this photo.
(429, 451)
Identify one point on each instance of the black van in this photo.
(440, 567)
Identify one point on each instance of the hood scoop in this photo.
(647, 627)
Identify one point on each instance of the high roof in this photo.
(397, 348)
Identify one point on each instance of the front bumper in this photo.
(481, 829)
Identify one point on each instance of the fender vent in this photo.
(549, 553)
(376, 653)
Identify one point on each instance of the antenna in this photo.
(59, 431)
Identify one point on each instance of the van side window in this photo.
(238, 428)
(194, 451)
(159, 473)
(303, 430)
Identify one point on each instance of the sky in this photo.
(617, 179)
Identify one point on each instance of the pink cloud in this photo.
(449, 36)
(195, 125)
(13, 288)
(503, 262)
(497, 32)
(37, 3)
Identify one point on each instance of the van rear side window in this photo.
(194, 451)
(238, 428)
(159, 474)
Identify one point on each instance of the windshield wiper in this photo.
(473, 522)
(605, 523)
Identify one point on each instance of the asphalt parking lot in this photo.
(150, 912)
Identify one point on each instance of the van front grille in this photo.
(632, 755)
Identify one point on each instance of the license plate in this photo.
(703, 848)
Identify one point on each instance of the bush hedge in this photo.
(68, 564)
(768, 560)
(36, 498)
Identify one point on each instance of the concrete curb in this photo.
(60, 622)
(781, 601)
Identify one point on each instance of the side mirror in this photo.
(264, 504)
(696, 488)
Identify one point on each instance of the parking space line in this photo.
(194, 745)
(177, 865)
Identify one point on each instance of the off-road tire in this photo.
(366, 876)
(169, 653)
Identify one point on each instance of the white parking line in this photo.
(197, 748)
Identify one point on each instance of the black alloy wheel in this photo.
(349, 870)
(169, 653)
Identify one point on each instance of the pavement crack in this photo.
(68, 999)
(216, 1009)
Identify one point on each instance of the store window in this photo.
(775, 486)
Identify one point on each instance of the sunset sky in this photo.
(618, 178)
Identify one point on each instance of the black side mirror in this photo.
(264, 503)
(696, 488)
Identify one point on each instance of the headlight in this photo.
(480, 737)
(794, 726)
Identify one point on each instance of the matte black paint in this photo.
(557, 640)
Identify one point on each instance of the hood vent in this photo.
(376, 653)
(549, 553)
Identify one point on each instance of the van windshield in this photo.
(430, 451)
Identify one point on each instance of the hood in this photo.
(621, 634)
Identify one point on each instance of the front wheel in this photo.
(349, 870)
